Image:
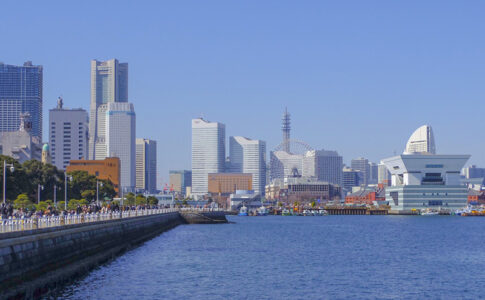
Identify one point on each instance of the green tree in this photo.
(152, 200)
(129, 199)
(23, 202)
(140, 200)
(88, 194)
(17, 181)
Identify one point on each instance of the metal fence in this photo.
(12, 224)
(34, 222)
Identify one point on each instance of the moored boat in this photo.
(243, 211)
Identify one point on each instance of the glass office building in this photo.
(20, 92)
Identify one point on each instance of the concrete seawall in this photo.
(35, 262)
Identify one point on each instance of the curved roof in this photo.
(421, 141)
(45, 147)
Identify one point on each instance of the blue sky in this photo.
(357, 76)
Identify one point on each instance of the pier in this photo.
(38, 256)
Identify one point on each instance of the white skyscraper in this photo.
(146, 165)
(68, 135)
(421, 141)
(116, 138)
(249, 156)
(109, 83)
(208, 153)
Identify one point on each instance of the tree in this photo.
(23, 202)
(88, 194)
(17, 182)
(152, 200)
(130, 199)
(140, 200)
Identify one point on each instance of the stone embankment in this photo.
(36, 262)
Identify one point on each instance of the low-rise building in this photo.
(302, 189)
(21, 144)
(367, 196)
(227, 183)
(106, 169)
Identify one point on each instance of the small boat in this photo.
(285, 212)
(263, 211)
(429, 212)
(323, 212)
(307, 212)
(243, 211)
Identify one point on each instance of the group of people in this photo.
(7, 210)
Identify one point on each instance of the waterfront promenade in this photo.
(40, 254)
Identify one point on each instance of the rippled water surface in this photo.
(274, 257)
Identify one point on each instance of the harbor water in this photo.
(276, 257)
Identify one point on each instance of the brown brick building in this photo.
(107, 169)
(227, 183)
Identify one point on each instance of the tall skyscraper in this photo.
(249, 156)
(324, 165)
(208, 153)
(146, 165)
(362, 166)
(109, 83)
(68, 135)
(116, 138)
(21, 92)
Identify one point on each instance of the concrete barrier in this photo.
(34, 262)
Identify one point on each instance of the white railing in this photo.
(12, 224)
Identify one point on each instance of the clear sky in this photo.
(357, 76)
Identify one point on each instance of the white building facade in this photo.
(208, 153)
(426, 181)
(116, 138)
(68, 135)
(249, 156)
(324, 165)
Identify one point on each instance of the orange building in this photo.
(227, 183)
(106, 169)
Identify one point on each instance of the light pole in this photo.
(39, 187)
(5, 165)
(65, 188)
(97, 191)
(55, 196)
(146, 197)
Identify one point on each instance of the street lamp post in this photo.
(39, 187)
(65, 188)
(97, 191)
(146, 197)
(55, 196)
(5, 165)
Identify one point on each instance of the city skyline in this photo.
(345, 91)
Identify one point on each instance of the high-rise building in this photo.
(180, 180)
(324, 165)
(109, 83)
(421, 141)
(362, 166)
(68, 134)
(249, 156)
(208, 153)
(383, 174)
(146, 165)
(373, 173)
(116, 138)
(21, 92)
(350, 178)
